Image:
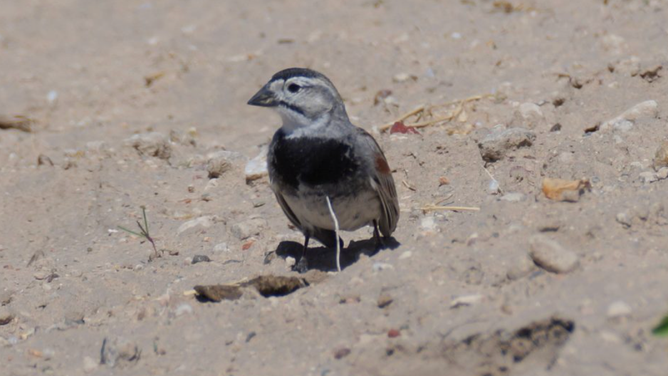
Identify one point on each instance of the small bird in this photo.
(319, 162)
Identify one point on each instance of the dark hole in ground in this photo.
(266, 285)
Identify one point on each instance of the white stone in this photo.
(551, 256)
(204, 222)
(465, 300)
(628, 118)
(256, 168)
(618, 308)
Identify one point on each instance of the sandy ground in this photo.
(525, 286)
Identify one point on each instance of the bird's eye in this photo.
(293, 88)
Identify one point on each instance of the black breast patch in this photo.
(312, 161)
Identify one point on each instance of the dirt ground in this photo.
(143, 103)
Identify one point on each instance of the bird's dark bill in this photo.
(264, 98)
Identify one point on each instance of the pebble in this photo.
(626, 120)
(290, 261)
(520, 268)
(648, 177)
(428, 223)
(614, 43)
(405, 255)
(218, 163)
(529, 115)
(618, 308)
(151, 144)
(465, 300)
(403, 77)
(90, 364)
(629, 67)
(221, 247)
(661, 156)
(200, 258)
(246, 229)
(384, 300)
(378, 266)
(623, 218)
(256, 168)
(182, 309)
(116, 351)
(205, 222)
(6, 316)
(496, 144)
(52, 96)
(6, 297)
(341, 353)
(662, 173)
(551, 256)
(513, 197)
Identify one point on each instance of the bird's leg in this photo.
(376, 236)
(302, 265)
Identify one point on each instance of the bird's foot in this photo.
(301, 267)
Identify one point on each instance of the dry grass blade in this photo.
(453, 208)
(403, 117)
(19, 122)
(422, 110)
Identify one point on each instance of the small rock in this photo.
(256, 168)
(6, 316)
(379, 266)
(245, 230)
(428, 223)
(393, 333)
(115, 352)
(465, 300)
(629, 67)
(662, 173)
(218, 163)
(551, 256)
(290, 261)
(495, 145)
(520, 268)
(152, 144)
(661, 156)
(628, 118)
(624, 218)
(341, 353)
(221, 247)
(90, 364)
(406, 254)
(384, 300)
(200, 258)
(43, 160)
(564, 190)
(618, 308)
(614, 43)
(648, 177)
(403, 77)
(205, 222)
(182, 309)
(528, 115)
(74, 317)
(513, 197)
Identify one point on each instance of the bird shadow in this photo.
(324, 259)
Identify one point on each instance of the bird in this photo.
(326, 173)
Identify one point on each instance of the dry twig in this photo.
(422, 110)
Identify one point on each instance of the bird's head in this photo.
(302, 97)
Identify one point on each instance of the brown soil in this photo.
(456, 294)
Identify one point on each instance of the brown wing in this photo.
(384, 186)
(288, 212)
